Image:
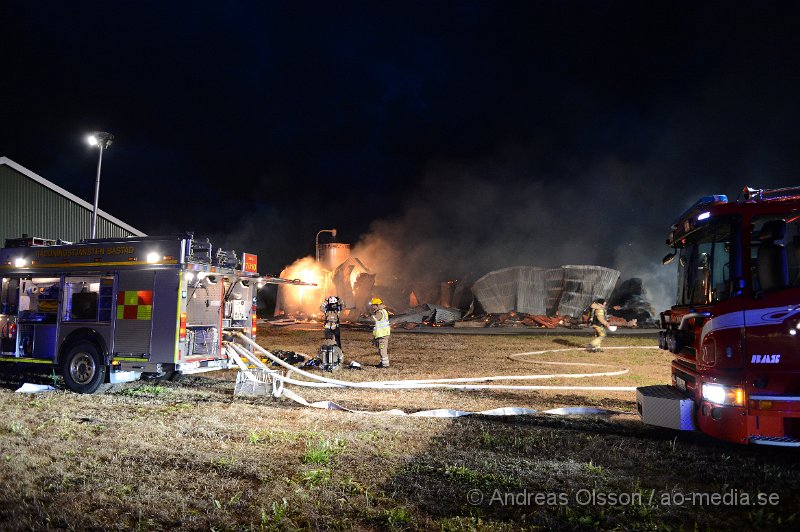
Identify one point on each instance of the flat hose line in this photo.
(323, 382)
(446, 383)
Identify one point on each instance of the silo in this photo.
(332, 254)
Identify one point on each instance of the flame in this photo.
(304, 298)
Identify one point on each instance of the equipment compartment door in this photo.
(134, 313)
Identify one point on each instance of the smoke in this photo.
(465, 220)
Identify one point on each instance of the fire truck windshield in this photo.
(708, 263)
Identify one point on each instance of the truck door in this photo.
(774, 309)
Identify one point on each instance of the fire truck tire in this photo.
(83, 368)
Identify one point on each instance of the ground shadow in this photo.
(483, 469)
(14, 375)
(569, 343)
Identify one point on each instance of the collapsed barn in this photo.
(520, 295)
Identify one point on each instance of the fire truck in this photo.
(115, 310)
(735, 328)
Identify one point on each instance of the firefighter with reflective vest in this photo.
(381, 330)
(598, 321)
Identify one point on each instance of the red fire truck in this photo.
(114, 310)
(735, 327)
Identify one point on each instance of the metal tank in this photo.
(332, 254)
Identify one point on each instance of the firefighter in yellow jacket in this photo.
(598, 321)
(381, 330)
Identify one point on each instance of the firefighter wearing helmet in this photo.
(381, 330)
(331, 307)
(598, 321)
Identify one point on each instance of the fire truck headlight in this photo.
(723, 395)
(704, 216)
(153, 257)
(20, 263)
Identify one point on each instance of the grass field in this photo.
(190, 455)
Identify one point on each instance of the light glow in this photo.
(704, 216)
(20, 263)
(92, 140)
(714, 393)
(153, 257)
(723, 395)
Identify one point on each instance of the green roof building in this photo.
(33, 206)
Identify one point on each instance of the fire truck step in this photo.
(780, 441)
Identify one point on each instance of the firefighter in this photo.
(597, 319)
(381, 330)
(331, 307)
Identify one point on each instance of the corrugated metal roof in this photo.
(71, 217)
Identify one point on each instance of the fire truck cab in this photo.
(735, 327)
(114, 310)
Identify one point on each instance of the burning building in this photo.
(336, 273)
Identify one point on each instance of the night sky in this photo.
(439, 138)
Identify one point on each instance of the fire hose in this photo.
(279, 380)
(455, 383)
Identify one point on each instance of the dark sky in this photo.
(449, 137)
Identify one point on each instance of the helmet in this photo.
(333, 300)
(376, 301)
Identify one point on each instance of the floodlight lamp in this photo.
(100, 138)
(153, 257)
(20, 262)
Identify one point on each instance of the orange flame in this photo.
(303, 298)
(306, 299)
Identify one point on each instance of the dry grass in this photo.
(191, 456)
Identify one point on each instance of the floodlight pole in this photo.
(103, 141)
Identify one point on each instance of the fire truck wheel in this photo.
(83, 368)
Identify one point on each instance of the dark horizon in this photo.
(443, 138)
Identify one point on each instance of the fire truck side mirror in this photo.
(668, 258)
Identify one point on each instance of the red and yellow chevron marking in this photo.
(135, 305)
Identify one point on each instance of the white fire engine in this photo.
(114, 310)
